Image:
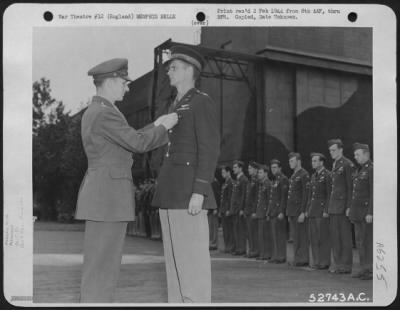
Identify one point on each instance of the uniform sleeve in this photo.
(305, 184)
(208, 143)
(371, 191)
(309, 193)
(243, 190)
(267, 194)
(328, 190)
(114, 128)
(348, 168)
(284, 187)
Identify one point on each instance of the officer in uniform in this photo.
(225, 204)
(276, 212)
(250, 210)
(213, 217)
(264, 230)
(106, 196)
(317, 212)
(361, 210)
(237, 206)
(296, 208)
(339, 207)
(184, 191)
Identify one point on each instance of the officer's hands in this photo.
(253, 215)
(306, 214)
(216, 212)
(369, 218)
(195, 204)
(301, 218)
(347, 212)
(167, 120)
(241, 213)
(280, 216)
(227, 213)
(325, 215)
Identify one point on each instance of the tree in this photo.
(50, 124)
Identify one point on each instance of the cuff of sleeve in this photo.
(200, 186)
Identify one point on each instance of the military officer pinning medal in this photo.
(106, 196)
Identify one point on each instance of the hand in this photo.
(195, 204)
(215, 212)
(301, 218)
(241, 213)
(253, 215)
(167, 120)
(227, 213)
(306, 214)
(347, 212)
(325, 215)
(267, 218)
(280, 216)
(369, 218)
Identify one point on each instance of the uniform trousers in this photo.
(103, 245)
(340, 233)
(213, 228)
(364, 242)
(319, 241)
(239, 231)
(252, 235)
(264, 238)
(279, 238)
(227, 231)
(300, 240)
(187, 257)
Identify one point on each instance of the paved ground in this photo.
(58, 259)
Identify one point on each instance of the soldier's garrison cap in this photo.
(320, 155)
(187, 55)
(116, 67)
(275, 161)
(360, 146)
(335, 141)
(238, 162)
(254, 164)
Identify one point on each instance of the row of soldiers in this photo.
(147, 223)
(320, 211)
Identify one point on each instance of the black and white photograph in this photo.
(232, 159)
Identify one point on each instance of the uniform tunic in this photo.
(239, 187)
(297, 201)
(276, 205)
(264, 230)
(361, 206)
(251, 222)
(340, 226)
(227, 223)
(318, 198)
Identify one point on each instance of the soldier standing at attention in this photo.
(237, 206)
(361, 210)
(250, 210)
(339, 207)
(225, 204)
(296, 208)
(264, 231)
(213, 217)
(317, 213)
(184, 192)
(276, 212)
(106, 196)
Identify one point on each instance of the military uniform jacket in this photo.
(297, 193)
(226, 194)
(320, 190)
(262, 198)
(340, 198)
(278, 194)
(251, 196)
(362, 197)
(238, 198)
(192, 154)
(107, 192)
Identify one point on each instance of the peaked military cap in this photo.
(187, 55)
(360, 146)
(263, 167)
(320, 155)
(116, 67)
(335, 141)
(294, 154)
(238, 162)
(275, 161)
